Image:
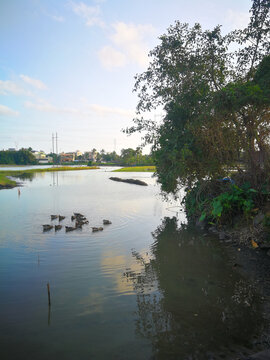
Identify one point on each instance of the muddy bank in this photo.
(253, 264)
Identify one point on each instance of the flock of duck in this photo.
(79, 219)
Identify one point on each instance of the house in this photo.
(67, 157)
(39, 155)
(46, 160)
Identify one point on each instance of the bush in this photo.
(219, 202)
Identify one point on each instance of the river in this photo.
(143, 288)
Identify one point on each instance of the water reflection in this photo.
(191, 302)
(25, 176)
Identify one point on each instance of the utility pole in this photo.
(53, 147)
(56, 144)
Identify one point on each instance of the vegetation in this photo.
(6, 182)
(128, 157)
(137, 169)
(217, 114)
(20, 157)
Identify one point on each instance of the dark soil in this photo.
(254, 264)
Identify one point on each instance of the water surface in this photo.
(143, 288)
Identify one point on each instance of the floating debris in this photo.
(129, 181)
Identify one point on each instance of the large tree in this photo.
(216, 101)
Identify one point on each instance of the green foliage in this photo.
(219, 203)
(216, 102)
(236, 200)
(20, 157)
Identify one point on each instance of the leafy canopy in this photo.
(215, 100)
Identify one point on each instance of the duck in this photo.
(80, 217)
(97, 229)
(106, 222)
(47, 227)
(57, 227)
(61, 217)
(78, 225)
(77, 214)
(73, 217)
(70, 228)
(54, 217)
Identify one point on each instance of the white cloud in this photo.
(105, 110)
(57, 18)
(44, 106)
(6, 111)
(237, 19)
(34, 82)
(10, 87)
(85, 110)
(91, 14)
(111, 57)
(129, 40)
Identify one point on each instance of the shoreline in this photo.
(254, 265)
(7, 183)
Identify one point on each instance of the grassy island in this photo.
(6, 183)
(137, 169)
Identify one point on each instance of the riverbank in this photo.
(7, 183)
(137, 169)
(254, 265)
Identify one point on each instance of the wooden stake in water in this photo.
(49, 294)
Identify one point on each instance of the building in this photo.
(67, 157)
(78, 153)
(91, 155)
(39, 155)
(47, 160)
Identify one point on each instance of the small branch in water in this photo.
(49, 294)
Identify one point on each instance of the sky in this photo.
(69, 66)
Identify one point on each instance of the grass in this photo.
(137, 169)
(6, 182)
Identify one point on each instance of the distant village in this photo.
(63, 157)
(29, 156)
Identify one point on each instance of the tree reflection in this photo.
(191, 302)
(25, 176)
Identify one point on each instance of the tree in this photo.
(214, 100)
(20, 157)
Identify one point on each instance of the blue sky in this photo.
(69, 66)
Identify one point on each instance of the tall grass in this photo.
(137, 169)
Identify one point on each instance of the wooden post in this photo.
(49, 294)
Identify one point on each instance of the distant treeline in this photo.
(20, 157)
(128, 157)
